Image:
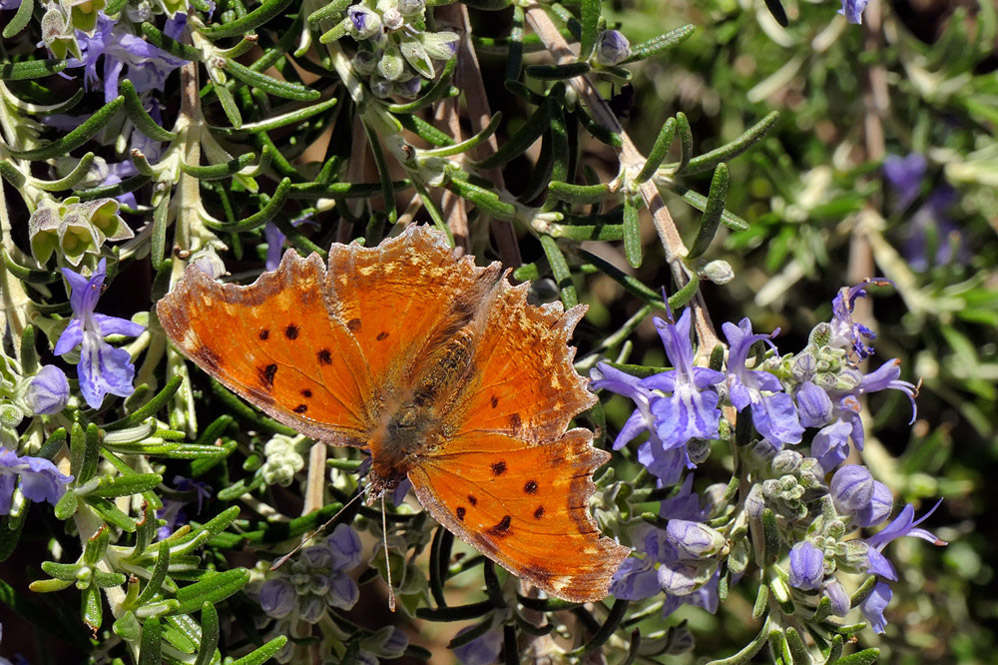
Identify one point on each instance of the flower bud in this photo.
(380, 87)
(365, 62)
(693, 540)
(364, 23)
(814, 406)
(718, 272)
(392, 19)
(879, 507)
(411, 7)
(612, 47)
(851, 488)
(209, 262)
(803, 367)
(409, 89)
(48, 391)
(278, 597)
(839, 598)
(807, 566)
(787, 461)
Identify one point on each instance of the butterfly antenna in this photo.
(284, 559)
(388, 563)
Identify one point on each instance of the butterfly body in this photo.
(441, 370)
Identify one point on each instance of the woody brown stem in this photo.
(630, 159)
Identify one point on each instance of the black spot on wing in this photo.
(382, 336)
(325, 357)
(539, 512)
(472, 499)
(354, 325)
(264, 333)
(495, 401)
(460, 512)
(530, 487)
(306, 393)
(515, 421)
(267, 375)
(498, 468)
(301, 408)
(291, 332)
(501, 530)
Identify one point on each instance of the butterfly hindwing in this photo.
(275, 344)
(524, 506)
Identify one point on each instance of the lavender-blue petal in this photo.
(70, 338)
(807, 566)
(48, 391)
(635, 425)
(636, 579)
(814, 406)
(775, 417)
(6, 491)
(278, 597)
(851, 488)
(344, 592)
(878, 564)
(345, 545)
(875, 604)
(483, 650)
(114, 325)
(831, 444)
(853, 10)
(42, 481)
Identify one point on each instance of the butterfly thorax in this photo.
(413, 428)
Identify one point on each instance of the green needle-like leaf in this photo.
(75, 138)
(712, 212)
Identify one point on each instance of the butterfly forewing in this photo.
(402, 297)
(524, 506)
(275, 344)
(524, 383)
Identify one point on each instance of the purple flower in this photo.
(905, 176)
(688, 411)
(853, 10)
(875, 604)
(851, 488)
(40, 479)
(903, 525)
(48, 391)
(847, 334)
(831, 444)
(364, 23)
(887, 376)
(102, 369)
(636, 579)
(148, 65)
(773, 414)
(612, 47)
(807, 566)
(483, 650)
(814, 406)
(173, 509)
(278, 597)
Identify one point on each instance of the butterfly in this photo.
(441, 370)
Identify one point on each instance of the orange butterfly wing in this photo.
(524, 382)
(403, 298)
(276, 344)
(524, 506)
